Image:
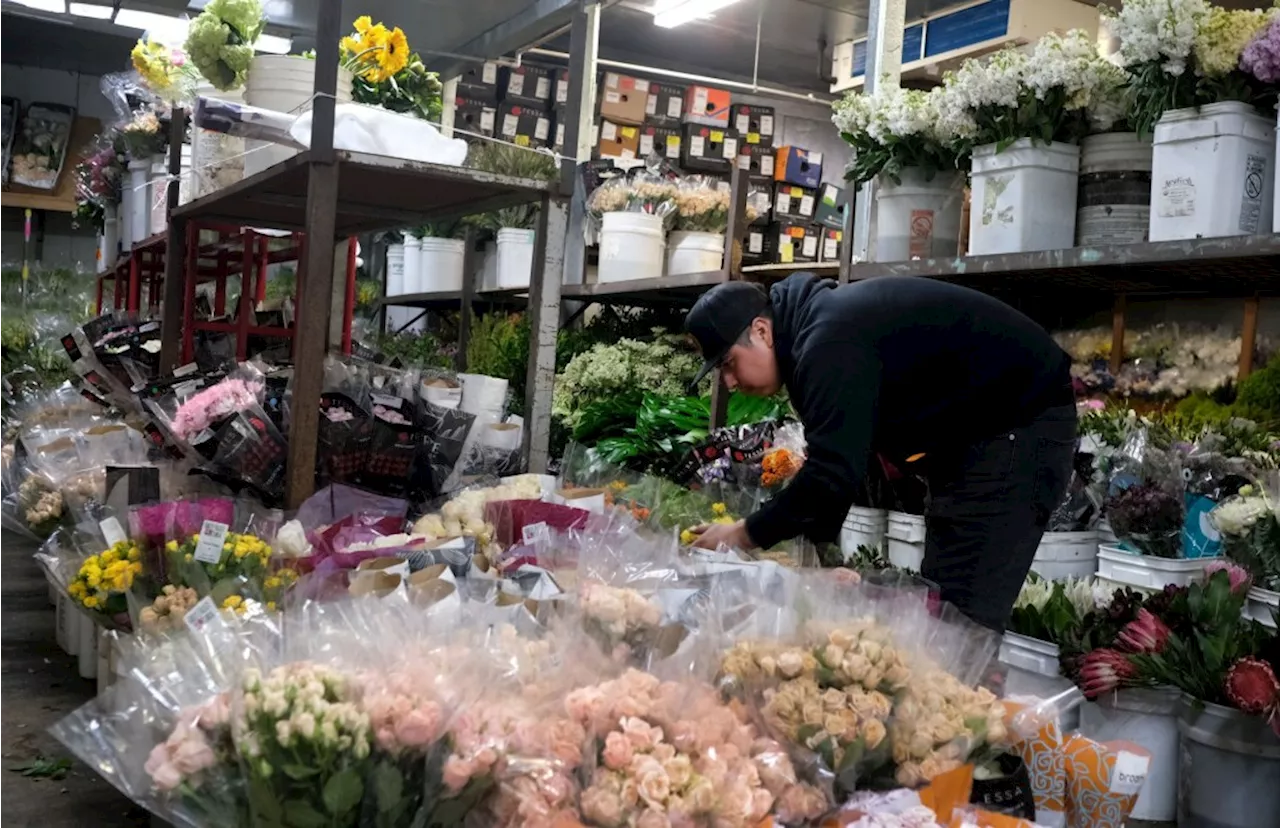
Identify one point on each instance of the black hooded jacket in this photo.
(896, 366)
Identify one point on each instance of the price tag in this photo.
(744, 122)
(486, 120)
(744, 162)
(609, 132)
(386, 401)
(509, 124)
(786, 254)
(542, 89)
(766, 124)
(646, 144)
(515, 84)
(203, 616)
(766, 166)
(755, 242)
(542, 129)
(112, 531)
(806, 205)
(675, 106)
(697, 146)
(730, 147)
(535, 533)
(209, 546)
(783, 203)
(490, 72)
(651, 105)
(809, 247)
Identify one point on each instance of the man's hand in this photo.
(732, 535)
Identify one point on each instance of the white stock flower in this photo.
(1158, 30)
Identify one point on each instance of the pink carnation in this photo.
(212, 404)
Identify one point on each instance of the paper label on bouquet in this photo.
(730, 147)
(209, 547)
(542, 129)
(806, 205)
(646, 144)
(490, 72)
(542, 89)
(203, 615)
(515, 86)
(486, 120)
(697, 146)
(386, 401)
(675, 106)
(535, 533)
(112, 531)
(510, 123)
(1129, 773)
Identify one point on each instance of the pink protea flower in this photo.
(1240, 578)
(1105, 670)
(1144, 634)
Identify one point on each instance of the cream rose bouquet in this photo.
(900, 128)
(621, 620)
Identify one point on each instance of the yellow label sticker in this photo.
(628, 132)
(753, 137)
(785, 252)
(522, 140)
(717, 137)
(673, 141)
(797, 192)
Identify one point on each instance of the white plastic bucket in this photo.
(441, 392)
(1230, 770)
(139, 209)
(1148, 718)
(863, 527)
(1066, 555)
(1147, 571)
(690, 251)
(217, 159)
(125, 218)
(1212, 172)
(440, 267)
(918, 218)
(630, 247)
(1024, 198)
(395, 269)
(87, 656)
(514, 259)
(110, 237)
(489, 267)
(284, 83)
(1261, 606)
(905, 534)
(157, 194)
(1034, 670)
(412, 270)
(1113, 205)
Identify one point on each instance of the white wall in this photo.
(62, 245)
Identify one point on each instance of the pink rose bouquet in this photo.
(193, 769)
(205, 408)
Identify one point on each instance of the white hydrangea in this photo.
(1158, 30)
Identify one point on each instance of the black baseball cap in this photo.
(719, 317)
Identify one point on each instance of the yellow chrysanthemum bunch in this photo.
(103, 579)
(375, 52)
(158, 65)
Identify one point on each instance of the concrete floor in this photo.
(39, 685)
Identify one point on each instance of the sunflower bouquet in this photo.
(103, 581)
(388, 75)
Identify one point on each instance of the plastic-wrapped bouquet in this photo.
(1250, 526)
(645, 192)
(618, 616)
(205, 408)
(104, 580)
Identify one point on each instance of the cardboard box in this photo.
(624, 99)
(618, 140)
(796, 165)
(528, 85)
(753, 123)
(757, 160)
(666, 141)
(479, 83)
(475, 116)
(523, 125)
(707, 106)
(707, 148)
(829, 245)
(795, 203)
(830, 207)
(665, 105)
(790, 242)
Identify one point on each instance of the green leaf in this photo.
(298, 772)
(298, 813)
(41, 768)
(263, 803)
(806, 732)
(388, 786)
(343, 792)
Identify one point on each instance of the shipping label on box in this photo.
(665, 104)
(480, 83)
(561, 82)
(796, 165)
(708, 149)
(624, 99)
(830, 206)
(753, 123)
(790, 201)
(523, 125)
(530, 85)
(793, 243)
(619, 140)
(475, 116)
(756, 160)
(665, 141)
(830, 249)
(707, 106)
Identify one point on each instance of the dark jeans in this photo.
(988, 506)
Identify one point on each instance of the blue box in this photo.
(796, 165)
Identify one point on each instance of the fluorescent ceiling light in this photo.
(91, 11)
(671, 13)
(160, 27)
(273, 45)
(55, 6)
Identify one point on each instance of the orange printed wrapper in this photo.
(1046, 765)
(948, 791)
(978, 818)
(1103, 781)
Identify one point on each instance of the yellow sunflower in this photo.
(394, 54)
(363, 22)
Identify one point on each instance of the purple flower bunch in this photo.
(1261, 58)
